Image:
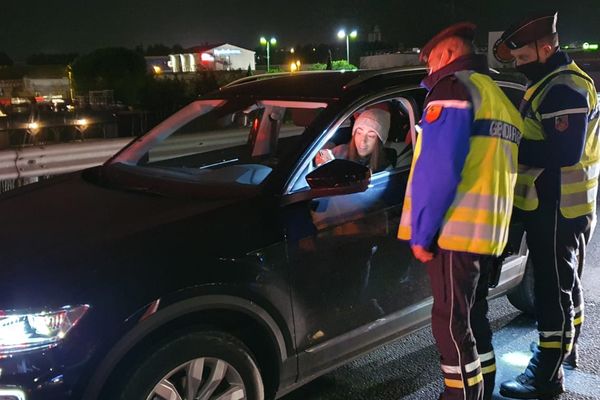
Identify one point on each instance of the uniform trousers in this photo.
(553, 242)
(460, 326)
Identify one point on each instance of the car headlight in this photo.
(24, 331)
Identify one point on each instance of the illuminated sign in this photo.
(207, 57)
(590, 46)
(226, 52)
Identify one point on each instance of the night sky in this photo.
(60, 26)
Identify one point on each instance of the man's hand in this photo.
(421, 253)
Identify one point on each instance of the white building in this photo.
(47, 87)
(219, 57)
(224, 57)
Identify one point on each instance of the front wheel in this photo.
(210, 365)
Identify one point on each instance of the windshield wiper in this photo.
(220, 163)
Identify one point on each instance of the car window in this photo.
(238, 142)
(377, 135)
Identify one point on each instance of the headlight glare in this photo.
(24, 331)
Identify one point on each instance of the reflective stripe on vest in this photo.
(478, 219)
(525, 193)
(579, 182)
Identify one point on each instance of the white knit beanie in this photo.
(375, 119)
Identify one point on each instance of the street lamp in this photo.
(342, 34)
(268, 43)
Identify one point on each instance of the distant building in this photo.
(375, 35)
(45, 83)
(218, 57)
(47, 88)
(382, 61)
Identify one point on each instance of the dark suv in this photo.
(211, 258)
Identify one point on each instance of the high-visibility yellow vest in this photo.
(579, 182)
(479, 217)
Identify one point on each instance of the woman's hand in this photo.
(324, 156)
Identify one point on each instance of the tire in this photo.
(222, 361)
(522, 296)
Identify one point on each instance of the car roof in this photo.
(321, 85)
(331, 85)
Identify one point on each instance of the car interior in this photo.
(398, 146)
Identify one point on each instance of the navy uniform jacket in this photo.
(561, 148)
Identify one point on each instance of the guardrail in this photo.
(25, 165)
(37, 161)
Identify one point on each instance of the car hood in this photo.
(65, 233)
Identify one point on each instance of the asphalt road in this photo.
(409, 367)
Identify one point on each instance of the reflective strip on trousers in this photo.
(488, 362)
(454, 383)
(549, 334)
(555, 340)
(451, 369)
(489, 369)
(487, 356)
(579, 316)
(472, 366)
(475, 380)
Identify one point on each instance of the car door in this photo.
(353, 283)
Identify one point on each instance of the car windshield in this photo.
(221, 141)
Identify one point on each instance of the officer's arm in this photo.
(437, 172)
(564, 119)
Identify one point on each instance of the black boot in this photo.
(525, 387)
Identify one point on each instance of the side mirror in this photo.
(339, 176)
(335, 178)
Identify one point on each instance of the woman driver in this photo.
(369, 133)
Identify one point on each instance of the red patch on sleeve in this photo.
(561, 123)
(433, 113)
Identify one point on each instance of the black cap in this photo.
(527, 31)
(465, 30)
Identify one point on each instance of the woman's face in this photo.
(365, 140)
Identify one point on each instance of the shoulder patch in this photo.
(433, 113)
(561, 123)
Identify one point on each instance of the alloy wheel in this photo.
(200, 379)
